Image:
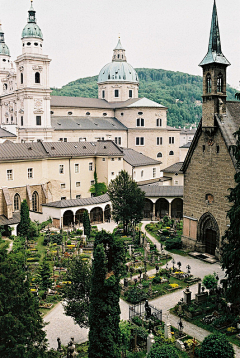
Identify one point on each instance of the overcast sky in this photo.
(79, 35)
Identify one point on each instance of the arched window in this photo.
(21, 78)
(220, 83)
(37, 77)
(35, 201)
(171, 152)
(17, 202)
(209, 83)
(4, 86)
(159, 155)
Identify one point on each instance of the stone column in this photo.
(103, 216)
(61, 222)
(150, 341)
(154, 211)
(169, 211)
(73, 219)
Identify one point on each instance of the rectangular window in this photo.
(78, 196)
(65, 139)
(30, 173)
(154, 172)
(78, 184)
(90, 167)
(171, 140)
(118, 140)
(176, 182)
(116, 93)
(82, 139)
(61, 168)
(76, 168)
(21, 120)
(63, 186)
(119, 159)
(159, 122)
(92, 182)
(11, 119)
(9, 174)
(112, 159)
(139, 140)
(130, 94)
(38, 120)
(63, 197)
(140, 122)
(142, 173)
(159, 140)
(103, 94)
(103, 159)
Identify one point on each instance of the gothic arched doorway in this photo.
(208, 233)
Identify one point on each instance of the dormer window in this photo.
(209, 83)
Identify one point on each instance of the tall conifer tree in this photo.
(231, 240)
(24, 224)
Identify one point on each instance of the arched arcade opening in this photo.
(68, 218)
(177, 208)
(148, 209)
(96, 215)
(162, 208)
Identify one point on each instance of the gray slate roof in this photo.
(136, 159)
(175, 168)
(87, 122)
(187, 145)
(188, 131)
(82, 102)
(162, 191)
(41, 150)
(14, 220)
(4, 133)
(79, 202)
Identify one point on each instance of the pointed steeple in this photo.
(119, 53)
(214, 54)
(31, 14)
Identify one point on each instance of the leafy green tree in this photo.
(216, 346)
(104, 311)
(127, 199)
(86, 224)
(24, 224)
(97, 188)
(163, 351)
(231, 240)
(21, 325)
(210, 281)
(76, 294)
(45, 275)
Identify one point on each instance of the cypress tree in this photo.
(86, 224)
(24, 224)
(231, 240)
(104, 311)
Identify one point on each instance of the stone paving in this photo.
(63, 326)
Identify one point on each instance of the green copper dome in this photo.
(4, 50)
(32, 29)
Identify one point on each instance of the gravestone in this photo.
(180, 345)
(187, 296)
(201, 296)
(150, 341)
(167, 329)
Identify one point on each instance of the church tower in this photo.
(118, 81)
(33, 84)
(5, 64)
(214, 67)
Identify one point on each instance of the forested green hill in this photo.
(176, 90)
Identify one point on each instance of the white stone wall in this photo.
(123, 91)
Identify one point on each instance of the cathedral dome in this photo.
(4, 50)
(118, 71)
(32, 30)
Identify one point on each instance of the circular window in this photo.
(4, 60)
(88, 114)
(35, 44)
(52, 112)
(140, 113)
(69, 113)
(104, 114)
(29, 43)
(122, 114)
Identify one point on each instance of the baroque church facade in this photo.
(28, 111)
(210, 166)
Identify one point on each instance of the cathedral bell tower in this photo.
(214, 67)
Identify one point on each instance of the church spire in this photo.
(214, 54)
(119, 52)
(31, 14)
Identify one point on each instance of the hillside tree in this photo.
(24, 224)
(86, 224)
(127, 200)
(216, 346)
